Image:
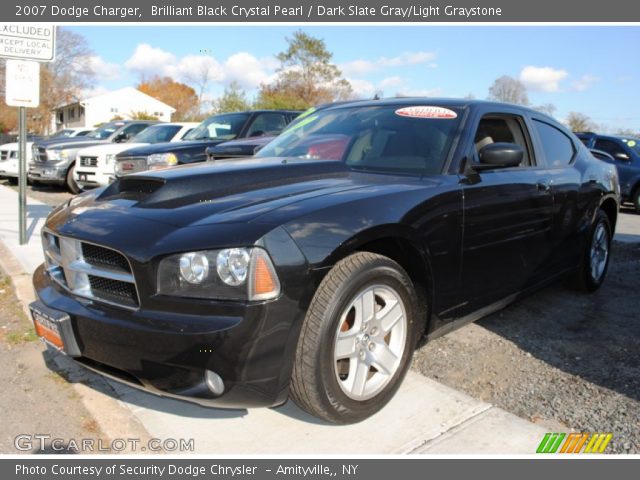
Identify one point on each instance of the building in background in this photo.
(119, 104)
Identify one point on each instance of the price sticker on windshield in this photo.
(426, 111)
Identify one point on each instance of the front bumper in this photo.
(88, 177)
(248, 346)
(46, 172)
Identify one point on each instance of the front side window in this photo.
(267, 124)
(156, 134)
(222, 127)
(105, 131)
(558, 147)
(372, 139)
(496, 128)
(134, 129)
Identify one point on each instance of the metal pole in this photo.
(22, 173)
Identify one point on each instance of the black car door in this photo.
(507, 214)
(558, 150)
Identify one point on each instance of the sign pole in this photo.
(22, 173)
(24, 45)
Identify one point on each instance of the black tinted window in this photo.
(134, 128)
(267, 124)
(558, 147)
(609, 146)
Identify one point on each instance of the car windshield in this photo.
(156, 134)
(105, 131)
(408, 140)
(223, 127)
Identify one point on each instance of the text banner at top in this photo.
(297, 11)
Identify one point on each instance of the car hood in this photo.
(220, 192)
(73, 142)
(109, 148)
(171, 147)
(214, 204)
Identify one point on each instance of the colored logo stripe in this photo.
(574, 442)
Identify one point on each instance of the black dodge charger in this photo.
(311, 270)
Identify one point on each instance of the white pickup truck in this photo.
(96, 165)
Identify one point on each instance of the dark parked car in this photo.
(626, 157)
(213, 131)
(247, 147)
(54, 159)
(312, 270)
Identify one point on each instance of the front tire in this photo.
(72, 186)
(595, 259)
(357, 339)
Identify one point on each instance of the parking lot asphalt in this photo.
(425, 417)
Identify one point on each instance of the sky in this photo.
(592, 70)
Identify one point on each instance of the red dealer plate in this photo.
(47, 328)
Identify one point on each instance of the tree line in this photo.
(306, 76)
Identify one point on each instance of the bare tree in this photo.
(61, 81)
(579, 122)
(509, 90)
(200, 78)
(546, 108)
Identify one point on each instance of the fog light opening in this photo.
(214, 382)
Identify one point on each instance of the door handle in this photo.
(544, 185)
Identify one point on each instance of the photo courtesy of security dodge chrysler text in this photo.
(311, 270)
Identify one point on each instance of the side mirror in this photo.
(257, 149)
(499, 155)
(121, 137)
(622, 156)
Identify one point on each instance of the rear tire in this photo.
(357, 339)
(595, 258)
(72, 186)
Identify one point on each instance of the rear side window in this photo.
(557, 146)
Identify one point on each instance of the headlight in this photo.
(110, 158)
(160, 160)
(57, 155)
(228, 274)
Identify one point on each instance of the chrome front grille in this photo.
(90, 271)
(88, 161)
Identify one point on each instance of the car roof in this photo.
(617, 137)
(259, 111)
(431, 101)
